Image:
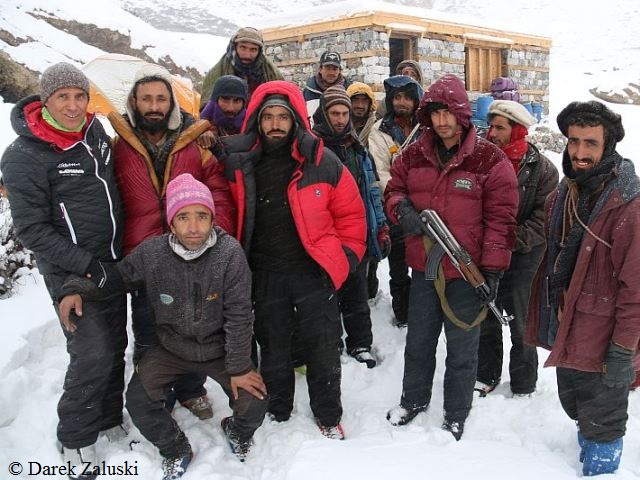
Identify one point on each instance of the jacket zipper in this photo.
(65, 215)
(106, 189)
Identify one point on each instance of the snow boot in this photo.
(402, 415)
(455, 428)
(582, 442)
(484, 389)
(174, 467)
(334, 433)
(601, 457)
(78, 459)
(240, 448)
(363, 355)
(200, 407)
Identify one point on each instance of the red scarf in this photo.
(518, 146)
(41, 129)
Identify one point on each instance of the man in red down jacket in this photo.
(301, 221)
(155, 143)
(471, 184)
(585, 298)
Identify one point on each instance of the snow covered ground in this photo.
(505, 438)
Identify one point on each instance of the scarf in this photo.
(517, 146)
(322, 85)
(227, 125)
(190, 255)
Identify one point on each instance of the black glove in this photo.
(618, 367)
(492, 279)
(409, 218)
(105, 275)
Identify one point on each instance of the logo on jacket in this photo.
(70, 169)
(463, 184)
(317, 192)
(212, 296)
(166, 299)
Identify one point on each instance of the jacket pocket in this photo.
(67, 219)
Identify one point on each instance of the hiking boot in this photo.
(240, 448)
(334, 433)
(200, 407)
(115, 434)
(402, 415)
(483, 389)
(363, 355)
(455, 428)
(78, 458)
(175, 466)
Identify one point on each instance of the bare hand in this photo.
(251, 382)
(207, 140)
(68, 303)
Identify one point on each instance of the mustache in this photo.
(276, 130)
(150, 114)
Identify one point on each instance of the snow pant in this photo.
(600, 411)
(307, 305)
(354, 307)
(91, 399)
(399, 280)
(187, 386)
(426, 320)
(154, 375)
(513, 296)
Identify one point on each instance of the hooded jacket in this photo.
(143, 193)
(475, 194)
(323, 197)
(359, 88)
(386, 138)
(64, 199)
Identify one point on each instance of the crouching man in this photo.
(199, 288)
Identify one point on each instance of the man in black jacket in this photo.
(60, 181)
(537, 177)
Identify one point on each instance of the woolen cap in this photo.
(230, 86)
(609, 119)
(276, 100)
(336, 95)
(249, 34)
(331, 58)
(183, 191)
(62, 75)
(513, 111)
(359, 88)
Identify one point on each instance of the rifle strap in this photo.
(440, 285)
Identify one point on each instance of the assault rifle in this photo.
(436, 229)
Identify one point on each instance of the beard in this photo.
(151, 126)
(402, 113)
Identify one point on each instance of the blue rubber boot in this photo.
(601, 458)
(582, 442)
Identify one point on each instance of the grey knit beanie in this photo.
(336, 95)
(61, 75)
(249, 34)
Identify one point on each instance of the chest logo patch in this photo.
(166, 299)
(212, 297)
(463, 184)
(317, 192)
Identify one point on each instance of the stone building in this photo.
(372, 43)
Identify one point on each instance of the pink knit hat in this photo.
(184, 190)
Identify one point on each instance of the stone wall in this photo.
(438, 57)
(530, 68)
(365, 58)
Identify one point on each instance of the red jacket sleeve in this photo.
(226, 213)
